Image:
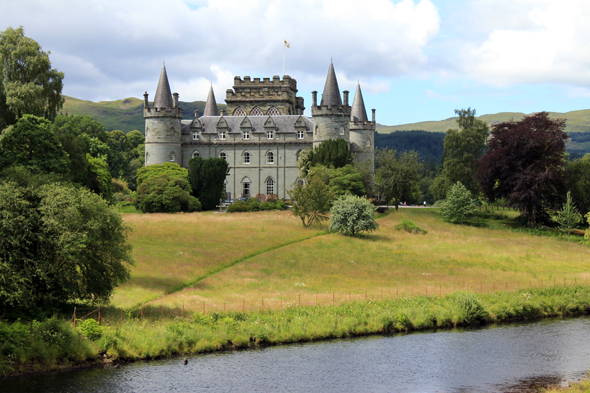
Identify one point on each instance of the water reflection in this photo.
(509, 358)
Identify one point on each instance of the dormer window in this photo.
(221, 135)
(195, 136)
(246, 135)
(270, 134)
(299, 134)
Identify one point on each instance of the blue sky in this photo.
(416, 60)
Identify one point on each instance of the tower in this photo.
(162, 125)
(211, 106)
(362, 131)
(331, 118)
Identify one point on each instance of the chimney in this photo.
(175, 100)
(345, 93)
(314, 99)
(145, 100)
(373, 115)
(222, 112)
(197, 114)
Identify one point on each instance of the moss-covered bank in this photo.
(55, 344)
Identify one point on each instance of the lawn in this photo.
(202, 260)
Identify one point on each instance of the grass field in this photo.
(267, 259)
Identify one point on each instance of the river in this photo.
(504, 358)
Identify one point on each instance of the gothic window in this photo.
(147, 132)
(196, 154)
(239, 111)
(222, 135)
(342, 131)
(299, 134)
(368, 143)
(195, 136)
(270, 157)
(246, 135)
(246, 187)
(273, 112)
(172, 157)
(246, 157)
(270, 186)
(223, 155)
(256, 111)
(270, 134)
(147, 158)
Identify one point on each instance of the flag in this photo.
(286, 44)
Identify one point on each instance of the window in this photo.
(342, 131)
(172, 157)
(239, 111)
(222, 135)
(246, 135)
(368, 143)
(256, 111)
(147, 132)
(270, 186)
(195, 136)
(246, 157)
(196, 154)
(270, 134)
(270, 157)
(246, 187)
(273, 112)
(223, 155)
(299, 134)
(147, 158)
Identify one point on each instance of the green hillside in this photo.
(125, 115)
(577, 121)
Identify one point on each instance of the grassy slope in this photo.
(329, 266)
(125, 115)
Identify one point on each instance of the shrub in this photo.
(253, 204)
(352, 214)
(237, 207)
(470, 308)
(90, 329)
(459, 205)
(409, 226)
(163, 194)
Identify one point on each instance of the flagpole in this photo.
(284, 59)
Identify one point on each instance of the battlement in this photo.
(161, 112)
(327, 110)
(257, 83)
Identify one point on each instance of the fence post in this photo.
(99, 316)
(74, 317)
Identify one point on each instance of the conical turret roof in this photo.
(163, 97)
(211, 106)
(358, 113)
(331, 96)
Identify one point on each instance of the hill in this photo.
(125, 115)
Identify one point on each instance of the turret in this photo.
(362, 131)
(162, 125)
(331, 118)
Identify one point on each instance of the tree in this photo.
(579, 182)
(569, 216)
(168, 168)
(207, 178)
(351, 215)
(99, 177)
(340, 181)
(331, 153)
(311, 202)
(462, 149)
(59, 244)
(397, 174)
(458, 205)
(28, 84)
(525, 163)
(31, 143)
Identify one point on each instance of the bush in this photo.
(237, 207)
(459, 205)
(163, 194)
(253, 204)
(352, 214)
(90, 329)
(409, 226)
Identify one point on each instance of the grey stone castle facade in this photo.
(262, 134)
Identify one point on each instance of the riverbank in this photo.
(55, 344)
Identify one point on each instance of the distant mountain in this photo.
(125, 115)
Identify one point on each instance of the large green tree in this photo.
(462, 148)
(347, 180)
(331, 153)
(579, 182)
(28, 84)
(397, 174)
(311, 201)
(207, 178)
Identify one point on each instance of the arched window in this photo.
(270, 186)
(246, 135)
(270, 157)
(273, 112)
(246, 157)
(172, 157)
(196, 154)
(147, 132)
(147, 158)
(239, 111)
(246, 187)
(223, 155)
(368, 143)
(342, 131)
(256, 111)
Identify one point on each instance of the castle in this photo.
(262, 134)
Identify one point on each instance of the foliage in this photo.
(59, 244)
(579, 182)
(174, 171)
(254, 205)
(331, 153)
(459, 204)
(207, 179)
(311, 202)
(99, 177)
(428, 145)
(525, 163)
(397, 174)
(28, 84)
(569, 217)
(409, 226)
(90, 329)
(347, 180)
(462, 149)
(32, 144)
(164, 193)
(351, 215)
